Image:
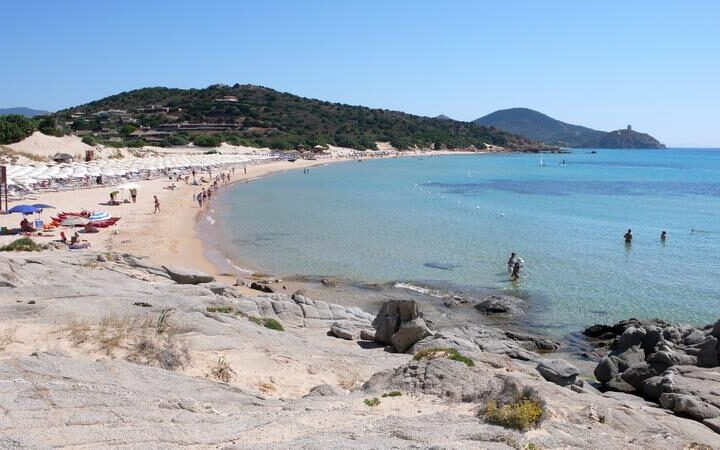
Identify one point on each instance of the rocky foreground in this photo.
(107, 351)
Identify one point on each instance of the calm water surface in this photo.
(454, 220)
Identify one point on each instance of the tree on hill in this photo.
(15, 128)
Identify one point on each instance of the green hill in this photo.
(538, 126)
(259, 116)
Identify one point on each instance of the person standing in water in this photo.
(663, 236)
(515, 270)
(511, 261)
(628, 236)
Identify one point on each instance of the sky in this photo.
(605, 64)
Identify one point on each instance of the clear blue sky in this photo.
(604, 64)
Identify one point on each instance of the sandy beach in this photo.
(168, 237)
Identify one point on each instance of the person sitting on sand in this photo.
(25, 226)
(63, 238)
(75, 238)
(628, 236)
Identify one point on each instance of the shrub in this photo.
(449, 353)
(204, 140)
(267, 323)
(89, 140)
(372, 401)
(392, 394)
(521, 415)
(273, 325)
(221, 309)
(22, 245)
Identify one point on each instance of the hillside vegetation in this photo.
(262, 117)
(536, 125)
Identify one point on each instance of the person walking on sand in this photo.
(628, 236)
(245, 169)
(157, 204)
(199, 199)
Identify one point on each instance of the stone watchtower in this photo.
(629, 128)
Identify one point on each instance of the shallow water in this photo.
(454, 221)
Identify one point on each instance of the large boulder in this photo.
(499, 304)
(442, 377)
(707, 355)
(409, 333)
(689, 405)
(184, 275)
(345, 329)
(606, 369)
(558, 371)
(324, 390)
(261, 287)
(636, 374)
(715, 331)
(631, 337)
(399, 323)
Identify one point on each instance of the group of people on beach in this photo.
(206, 193)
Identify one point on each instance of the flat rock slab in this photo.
(184, 275)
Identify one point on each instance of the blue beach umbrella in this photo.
(23, 209)
(43, 206)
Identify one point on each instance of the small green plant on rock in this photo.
(521, 415)
(22, 245)
(372, 401)
(273, 325)
(221, 309)
(392, 394)
(449, 353)
(267, 323)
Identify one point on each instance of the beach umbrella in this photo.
(98, 216)
(23, 209)
(74, 221)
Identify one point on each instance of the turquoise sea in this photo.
(451, 222)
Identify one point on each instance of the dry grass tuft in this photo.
(349, 379)
(145, 340)
(7, 338)
(222, 371)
